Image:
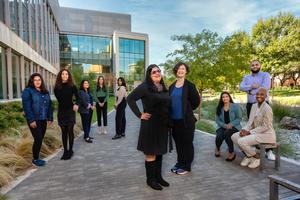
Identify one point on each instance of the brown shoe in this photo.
(217, 153)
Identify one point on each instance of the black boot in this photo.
(159, 178)
(64, 155)
(69, 155)
(150, 172)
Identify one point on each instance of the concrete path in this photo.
(114, 169)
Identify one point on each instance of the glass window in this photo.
(25, 20)
(27, 71)
(16, 75)
(132, 59)
(2, 10)
(33, 24)
(14, 19)
(2, 54)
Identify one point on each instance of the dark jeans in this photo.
(67, 134)
(86, 120)
(120, 118)
(38, 134)
(183, 138)
(225, 134)
(102, 111)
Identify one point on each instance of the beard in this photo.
(255, 71)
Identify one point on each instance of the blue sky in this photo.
(161, 19)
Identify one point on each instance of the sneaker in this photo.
(174, 169)
(104, 131)
(254, 163)
(38, 162)
(245, 162)
(181, 171)
(270, 155)
(88, 140)
(100, 130)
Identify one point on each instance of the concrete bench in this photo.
(276, 148)
(275, 181)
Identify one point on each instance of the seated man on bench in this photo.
(259, 129)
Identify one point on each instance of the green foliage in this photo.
(3, 197)
(280, 111)
(206, 126)
(276, 41)
(11, 115)
(209, 109)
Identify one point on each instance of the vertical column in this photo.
(22, 72)
(7, 13)
(9, 73)
(42, 13)
(4, 72)
(36, 28)
(20, 19)
(18, 77)
(47, 32)
(31, 70)
(30, 23)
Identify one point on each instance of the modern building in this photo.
(40, 36)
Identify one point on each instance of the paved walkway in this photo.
(108, 169)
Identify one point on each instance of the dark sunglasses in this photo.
(155, 71)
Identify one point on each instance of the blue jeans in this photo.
(86, 120)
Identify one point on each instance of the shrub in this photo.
(6, 175)
(205, 125)
(279, 111)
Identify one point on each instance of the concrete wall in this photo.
(78, 21)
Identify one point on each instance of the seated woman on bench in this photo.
(259, 129)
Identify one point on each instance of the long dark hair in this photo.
(58, 83)
(98, 86)
(221, 103)
(31, 83)
(123, 82)
(149, 81)
(81, 85)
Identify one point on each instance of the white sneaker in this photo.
(100, 130)
(254, 163)
(104, 130)
(245, 162)
(270, 155)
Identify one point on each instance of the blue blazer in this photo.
(235, 115)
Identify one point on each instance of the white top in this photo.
(120, 94)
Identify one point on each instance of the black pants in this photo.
(183, 138)
(38, 134)
(86, 120)
(67, 135)
(120, 118)
(225, 134)
(102, 111)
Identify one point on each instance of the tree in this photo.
(200, 53)
(277, 41)
(233, 59)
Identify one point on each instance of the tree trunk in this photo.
(201, 100)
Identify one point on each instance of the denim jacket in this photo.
(36, 106)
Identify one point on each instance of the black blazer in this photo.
(190, 101)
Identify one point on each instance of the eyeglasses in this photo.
(37, 80)
(260, 94)
(155, 71)
(254, 65)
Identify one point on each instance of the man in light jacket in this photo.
(259, 129)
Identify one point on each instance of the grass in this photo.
(3, 197)
(205, 125)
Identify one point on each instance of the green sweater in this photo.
(101, 93)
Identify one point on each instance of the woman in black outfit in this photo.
(185, 99)
(86, 108)
(153, 137)
(65, 91)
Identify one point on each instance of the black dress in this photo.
(153, 137)
(64, 96)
